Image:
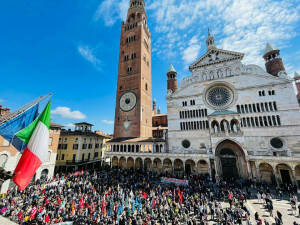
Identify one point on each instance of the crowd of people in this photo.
(127, 197)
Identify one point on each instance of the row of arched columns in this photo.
(225, 126)
(280, 172)
(171, 165)
(138, 148)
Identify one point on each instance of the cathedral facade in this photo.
(226, 119)
(236, 120)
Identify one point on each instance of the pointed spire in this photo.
(269, 48)
(209, 33)
(171, 69)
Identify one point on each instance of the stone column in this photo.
(294, 178)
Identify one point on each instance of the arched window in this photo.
(256, 122)
(266, 106)
(252, 122)
(261, 121)
(265, 121)
(250, 108)
(254, 108)
(275, 106)
(262, 107)
(246, 109)
(238, 109)
(270, 120)
(258, 107)
(274, 120)
(243, 110)
(278, 121)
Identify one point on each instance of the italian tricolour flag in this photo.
(36, 136)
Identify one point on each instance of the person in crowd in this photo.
(128, 197)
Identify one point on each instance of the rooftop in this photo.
(269, 48)
(84, 123)
(171, 69)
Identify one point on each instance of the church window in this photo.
(129, 69)
(271, 106)
(266, 107)
(276, 143)
(273, 92)
(275, 106)
(126, 58)
(250, 108)
(258, 107)
(262, 107)
(194, 113)
(265, 121)
(121, 87)
(146, 87)
(243, 110)
(270, 120)
(244, 122)
(252, 122)
(254, 108)
(278, 121)
(274, 120)
(246, 108)
(261, 121)
(205, 110)
(256, 122)
(186, 143)
(238, 109)
(248, 122)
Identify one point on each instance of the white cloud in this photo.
(244, 25)
(109, 122)
(66, 112)
(111, 11)
(87, 53)
(191, 53)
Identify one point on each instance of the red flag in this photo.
(153, 203)
(33, 213)
(76, 173)
(104, 207)
(81, 204)
(180, 196)
(145, 195)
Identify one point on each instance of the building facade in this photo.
(10, 156)
(227, 119)
(81, 148)
(236, 120)
(133, 131)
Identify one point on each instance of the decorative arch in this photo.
(130, 163)
(138, 163)
(190, 166)
(122, 163)
(167, 165)
(148, 164)
(231, 160)
(115, 161)
(266, 172)
(157, 165)
(284, 171)
(202, 167)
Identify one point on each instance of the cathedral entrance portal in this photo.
(230, 159)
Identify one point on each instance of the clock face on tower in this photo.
(128, 101)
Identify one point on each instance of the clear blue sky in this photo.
(71, 47)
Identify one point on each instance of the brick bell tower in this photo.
(133, 115)
(273, 61)
(172, 79)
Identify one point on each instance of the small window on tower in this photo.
(146, 87)
(121, 88)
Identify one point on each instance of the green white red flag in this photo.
(36, 136)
